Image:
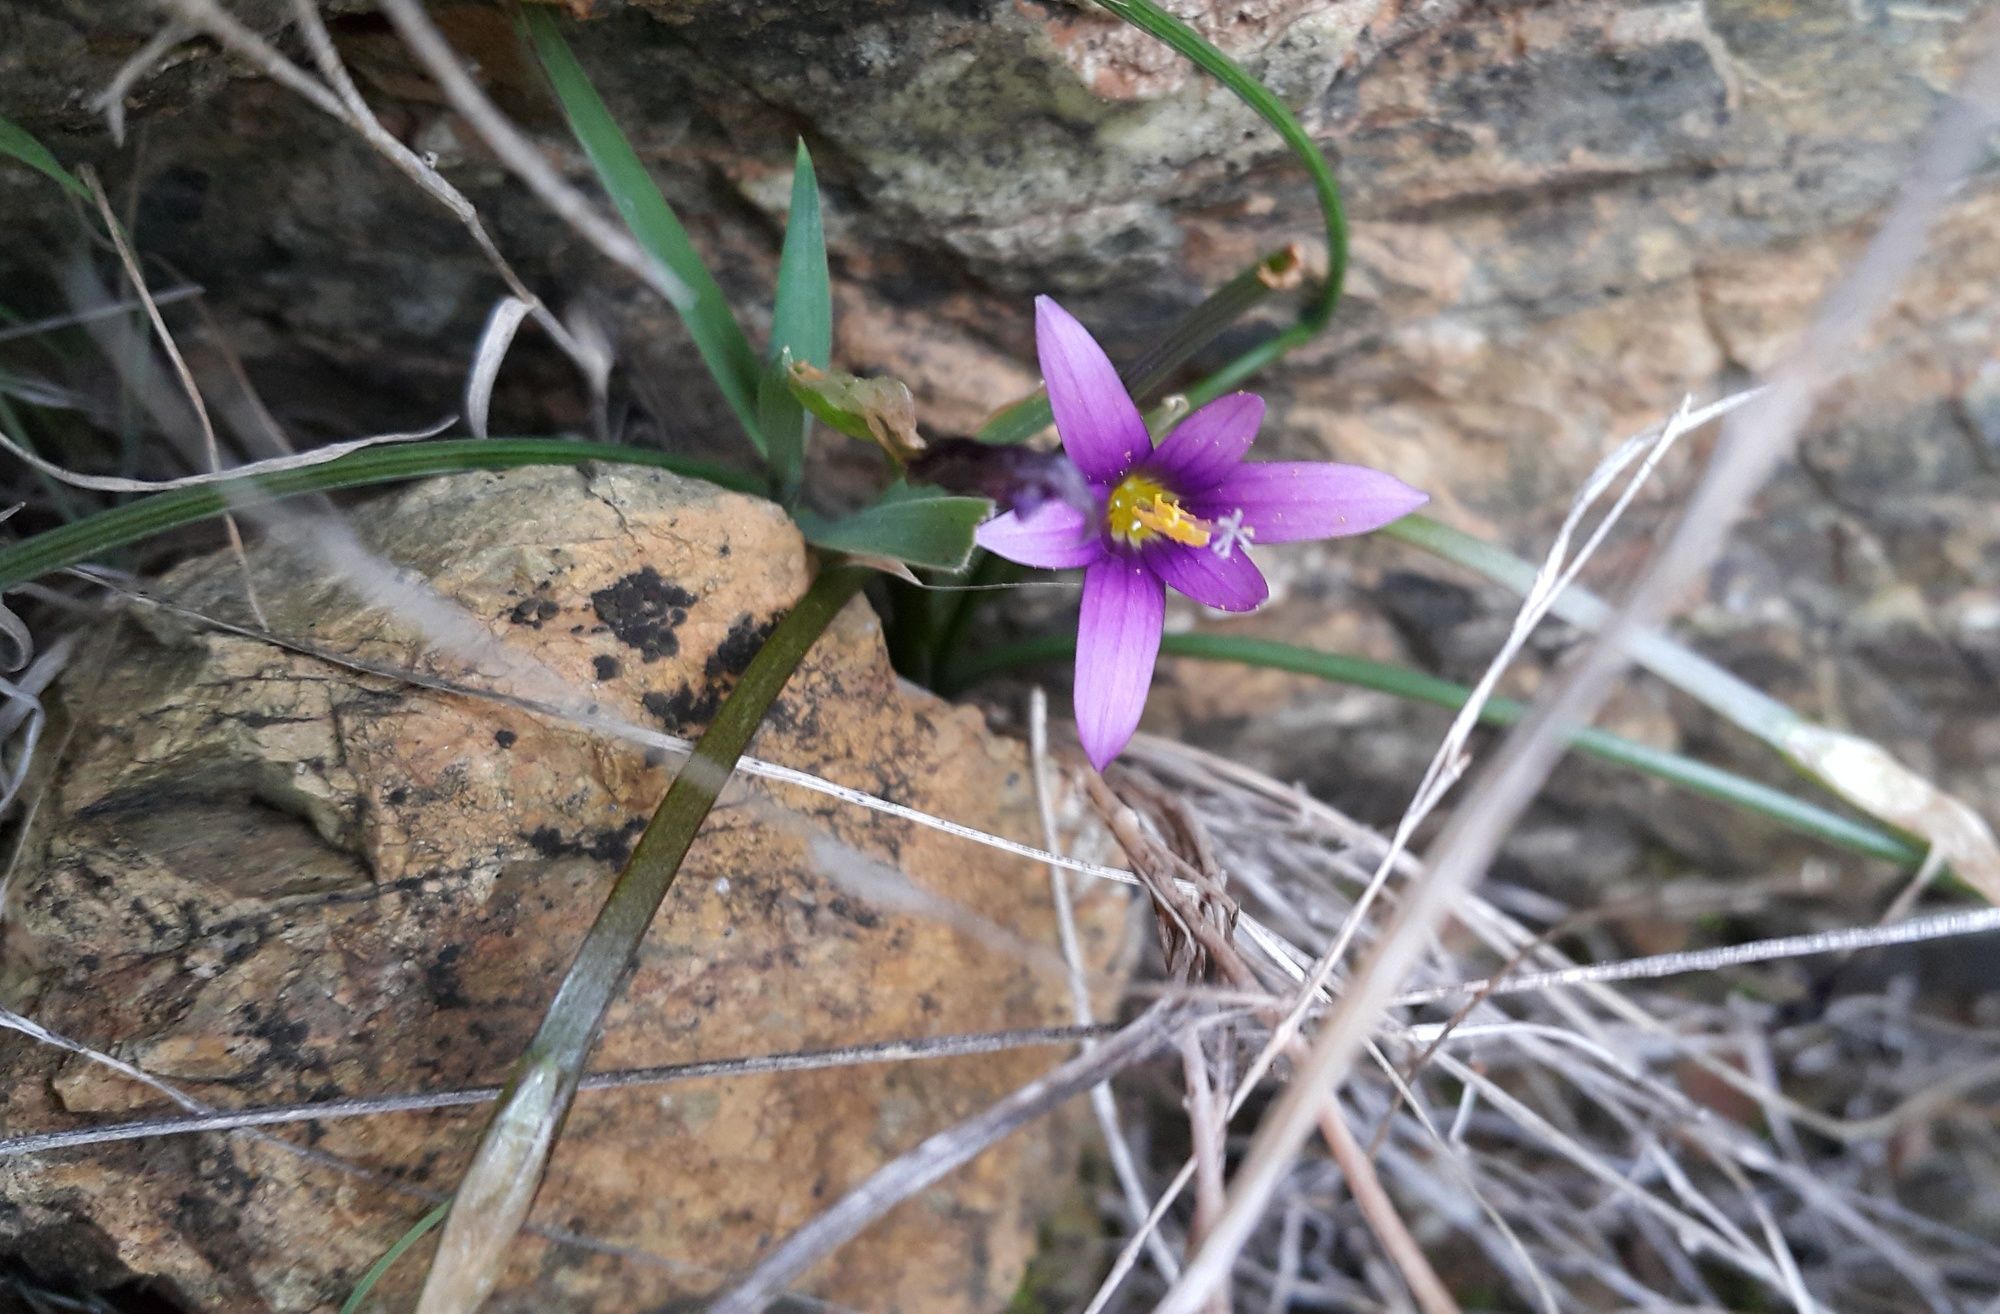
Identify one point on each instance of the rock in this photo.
(267, 878)
(1566, 216)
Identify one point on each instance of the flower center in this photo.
(1141, 508)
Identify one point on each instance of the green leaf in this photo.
(923, 531)
(717, 335)
(19, 143)
(95, 535)
(801, 330)
(1697, 777)
(802, 321)
(873, 410)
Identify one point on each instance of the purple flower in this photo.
(1181, 513)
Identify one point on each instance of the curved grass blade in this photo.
(141, 519)
(1860, 772)
(1158, 23)
(22, 145)
(376, 1271)
(1685, 773)
(717, 335)
(801, 329)
(500, 1185)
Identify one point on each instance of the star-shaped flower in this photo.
(1182, 513)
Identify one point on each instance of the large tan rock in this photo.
(266, 878)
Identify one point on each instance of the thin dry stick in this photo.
(138, 277)
(1208, 1130)
(891, 1051)
(346, 104)
(1102, 1102)
(72, 317)
(110, 102)
(1433, 1297)
(1363, 1183)
(520, 155)
(15, 1022)
(1754, 441)
(938, 1155)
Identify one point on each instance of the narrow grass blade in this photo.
(930, 531)
(1860, 772)
(138, 520)
(802, 320)
(1148, 17)
(500, 1185)
(19, 143)
(717, 335)
(380, 1268)
(1685, 773)
(801, 329)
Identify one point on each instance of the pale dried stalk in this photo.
(345, 103)
(1103, 1104)
(522, 158)
(186, 376)
(1754, 441)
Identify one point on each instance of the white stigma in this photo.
(1230, 532)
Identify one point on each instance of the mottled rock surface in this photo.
(1566, 216)
(267, 878)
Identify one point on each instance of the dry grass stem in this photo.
(186, 376)
(521, 156)
(1103, 1106)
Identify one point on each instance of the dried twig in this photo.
(520, 155)
(138, 279)
(892, 1051)
(940, 1154)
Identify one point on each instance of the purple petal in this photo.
(1100, 427)
(1207, 445)
(1231, 583)
(1285, 501)
(1117, 639)
(1053, 536)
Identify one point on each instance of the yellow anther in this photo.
(1164, 516)
(1140, 508)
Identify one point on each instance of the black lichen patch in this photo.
(441, 976)
(644, 611)
(605, 668)
(534, 612)
(688, 706)
(684, 707)
(733, 655)
(612, 846)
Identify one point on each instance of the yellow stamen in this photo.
(1163, 515)
(1140, 508)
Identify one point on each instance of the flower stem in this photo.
(497, 1189)
(1697, 777)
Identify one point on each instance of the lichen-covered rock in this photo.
(1565, 216)
(268, 878)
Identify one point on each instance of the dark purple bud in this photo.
(1016, 479)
